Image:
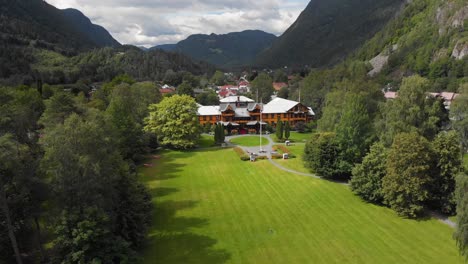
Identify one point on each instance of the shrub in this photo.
(245, 158)
(239, 151)
(283, 149)
(277, 156)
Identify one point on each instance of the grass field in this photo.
(297, 163)
(210, 207)
(294, 137)
(249, 141)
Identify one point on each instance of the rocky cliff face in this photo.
(460, 50)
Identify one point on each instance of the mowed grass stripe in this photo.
(233, 204)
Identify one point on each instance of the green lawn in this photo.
(210, 207)
(294, 137)
(297, 163)
(249, 141)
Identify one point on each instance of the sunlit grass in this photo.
(210, 207)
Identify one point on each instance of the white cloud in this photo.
(153, 22)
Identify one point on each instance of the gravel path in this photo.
(268, 148)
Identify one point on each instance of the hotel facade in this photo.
(242, 113)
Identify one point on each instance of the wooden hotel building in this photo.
(244, 113)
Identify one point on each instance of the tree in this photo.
(218, 78)
(461, 232)
(279, 129)
(9, 154)
(175, 122)
(409, 174)
(449, 163)
(321, 154)
(412, 111)
(82, 157)
(283, 93)
(58, 108)
(263, 87)
(120, 113)
(126, 111)
(366, 180)
(207, 98)
(287, 130)
(354, 131)
(280, 76)
(219, 134)
(185, 88)
(459, 115)
(87, 237)
(222, 133)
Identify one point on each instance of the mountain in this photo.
(327, 31)
(41, 42)
(428, 38)
(99, 35)
(167, 47)
(227, 50)
(36, 23)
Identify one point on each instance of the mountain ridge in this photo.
(327, 31)
(229, 50)
(96, 33)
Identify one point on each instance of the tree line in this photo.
(405, 153)
(69, 189)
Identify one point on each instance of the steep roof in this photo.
(279, 105)
(210, 110)
(233, 99)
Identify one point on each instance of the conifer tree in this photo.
(287, 130)
(279, 129)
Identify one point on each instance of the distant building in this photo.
(447, 96)
(243, 114)
(278, 85)
(167, 89)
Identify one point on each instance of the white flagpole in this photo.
(261, 114)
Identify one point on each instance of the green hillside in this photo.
(426, 38)
(327, 31)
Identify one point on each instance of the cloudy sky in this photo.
(153, 22)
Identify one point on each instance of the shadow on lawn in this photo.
(172, 242)
(171, 238)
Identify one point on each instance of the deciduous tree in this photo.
(322, 155)
(409, 174)
(263, 86)
(459, 115)
(175, 122)
(449, 163)
(412, 111)
(366, 180)
(461, 233)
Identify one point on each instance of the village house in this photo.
(278, 85)
(447, 96)
(243, 114)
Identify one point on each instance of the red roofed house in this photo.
(166, 89)
(447, 96)
(278, 85)
(227, 92)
